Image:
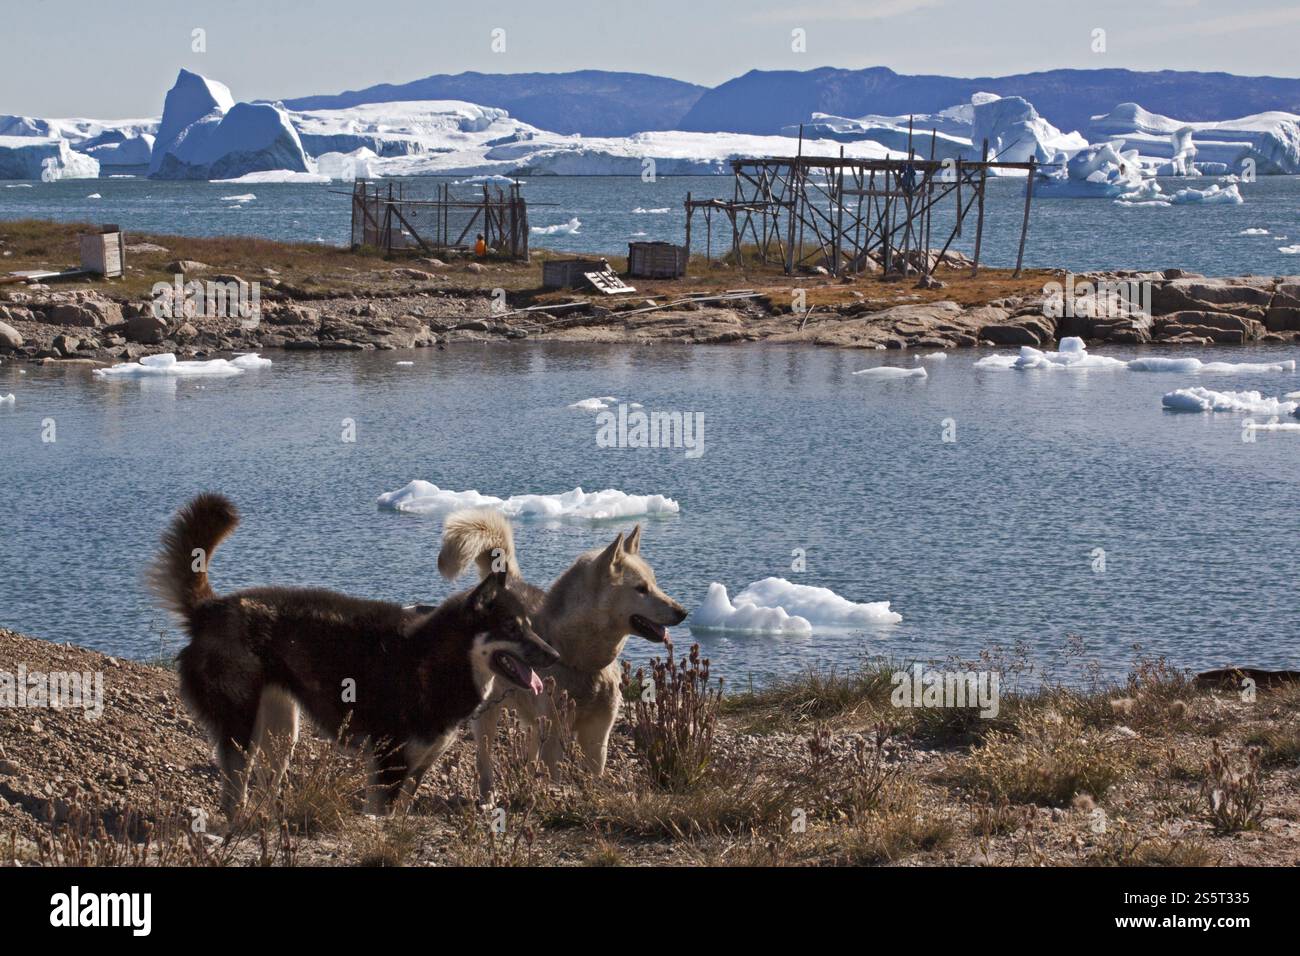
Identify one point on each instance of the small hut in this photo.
(655, 260)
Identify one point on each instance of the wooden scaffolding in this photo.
(385, 217)
(838, 213)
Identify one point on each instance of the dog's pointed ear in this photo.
(612, 555)
(487, 590)
(633, 543)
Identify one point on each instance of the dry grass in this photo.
(837, 776)
(315, 270)
(1048, 759)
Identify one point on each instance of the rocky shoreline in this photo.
(419, 308)
(1124, 775)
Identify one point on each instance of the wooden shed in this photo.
(655, 260)
(569, 273)
(104, 252)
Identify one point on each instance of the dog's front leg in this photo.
(593, 739)
(485, 735)
(387, 774)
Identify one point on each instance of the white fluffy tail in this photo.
(480, 537)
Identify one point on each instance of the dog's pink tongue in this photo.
(534, 681)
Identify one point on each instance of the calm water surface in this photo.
(988, 540)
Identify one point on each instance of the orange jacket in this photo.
(480, 248)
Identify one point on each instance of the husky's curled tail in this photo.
(482, 537)
(179, 576)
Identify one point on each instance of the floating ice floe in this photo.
(717, 613)
(1289, 250)
(94, 196)
(404, 363)
(1214, 368)
(1073, 354)
(1253, 232)
(892, 371)
(423, 497)
(1207, 400)
(241, 197)
(594, 404)
(930, 357)
(167, 365)
(7, 399)
(639, 211)
(777, 605)
(569, 228)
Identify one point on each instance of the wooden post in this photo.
(979, 222)
(689, 213)
(1024, 226)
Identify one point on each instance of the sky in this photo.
(90, 58)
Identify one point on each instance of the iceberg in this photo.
(1271, 140)
(423, 497)
(1072, 354)
(1208, 400)
(204, 134)
(777, 605)
(167, 366)
(717, 613)
(1017, 134)
(46, 159)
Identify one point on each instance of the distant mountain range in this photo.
(589, 102)
(763, 102)
(599, 103)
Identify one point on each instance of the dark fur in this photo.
(413, 673)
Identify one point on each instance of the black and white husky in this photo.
(397, 683)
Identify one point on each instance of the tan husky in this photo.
(586, 615)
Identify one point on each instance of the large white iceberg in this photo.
(204, 134)
(48, 159)
(1271, 139)
(424, 497)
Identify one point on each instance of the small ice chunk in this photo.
(892, 372)
(591, 404)
(7, 399)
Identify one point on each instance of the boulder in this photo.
(75, 314)
(9, 338)
(1219, 326)
(66, 344)
(145, 329)
(1209, 295)
(183, 266)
